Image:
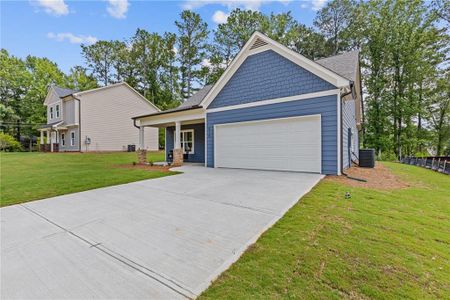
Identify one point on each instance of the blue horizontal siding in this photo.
(349, 121)
(268, 75)
(325, 106)
(199, 141)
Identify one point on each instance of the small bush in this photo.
(8, 143)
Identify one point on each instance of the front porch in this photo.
(58, 137)
(184, 135)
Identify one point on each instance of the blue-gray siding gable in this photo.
(325, 106)
(268, 75)
(199, 141)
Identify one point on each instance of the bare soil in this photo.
(379, 177)
(145, 167)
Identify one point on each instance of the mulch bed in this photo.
(145, 167)
(379, 177)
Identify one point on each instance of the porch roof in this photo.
(192, 102)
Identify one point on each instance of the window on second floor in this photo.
(57, 110)
(51, 112)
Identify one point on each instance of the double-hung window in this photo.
(51, 112)
(187, 141)
(57, 110)
(72, 138)
(63, 139)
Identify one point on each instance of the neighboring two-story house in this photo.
(95, 120)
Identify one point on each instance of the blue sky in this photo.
(56, 28)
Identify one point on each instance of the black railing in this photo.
(436, 163)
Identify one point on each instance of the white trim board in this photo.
(275, 101)
(293, 56)
(339, 162)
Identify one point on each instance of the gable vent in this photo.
(258, 43)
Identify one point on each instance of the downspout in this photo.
(79, 122)
(342, 135)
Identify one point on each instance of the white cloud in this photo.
(53, 7)
(318, 4)
(72, 38)
(118, 8)
(304, 5)
(231, 4)
(219, 17)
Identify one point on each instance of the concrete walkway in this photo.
(165, 238)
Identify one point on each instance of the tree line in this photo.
(403, 48)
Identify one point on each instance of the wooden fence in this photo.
(436, 163)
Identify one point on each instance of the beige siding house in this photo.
(95, 120)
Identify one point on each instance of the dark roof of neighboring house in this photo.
(345, 64)
(62, 92)
(50, 125)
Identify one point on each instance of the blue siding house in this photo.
(272, 109)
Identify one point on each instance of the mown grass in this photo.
(381, 244)
(31, 176)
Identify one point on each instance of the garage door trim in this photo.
(268, 120)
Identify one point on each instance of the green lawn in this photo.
(31, 176)
(378, 244)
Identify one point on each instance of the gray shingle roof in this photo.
(62, 92)
(345, 64)
(197, 98)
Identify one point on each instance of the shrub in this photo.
(8, 143)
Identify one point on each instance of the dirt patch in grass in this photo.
(379, 177)
(145, 167)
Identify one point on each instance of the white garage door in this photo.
(289, 144)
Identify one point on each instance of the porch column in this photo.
(177, 135)
(41, 141)
(177, 151)
(141, 137)
(141, 151)
(51, 141)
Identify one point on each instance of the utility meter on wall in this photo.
(87, 141)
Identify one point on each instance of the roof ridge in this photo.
(336, 55)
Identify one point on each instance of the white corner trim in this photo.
(339, 162)
(293, 56)
(215, 146)
(275, 101)
(206, 140)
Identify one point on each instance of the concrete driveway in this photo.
(163, 238)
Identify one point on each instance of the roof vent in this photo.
(258, 43)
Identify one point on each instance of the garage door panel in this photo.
(291, 144)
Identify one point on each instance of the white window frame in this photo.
(57, 110)
(183, 139)
(63, 139)
(72, 138)
(51, 112)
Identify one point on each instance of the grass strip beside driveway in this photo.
(381, 244)
(32, 176)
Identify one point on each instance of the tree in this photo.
(153, 60)
(310, 44)
(439, 110)
(192, 45)
(100, 59)
(334, 20)
(79, 80)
